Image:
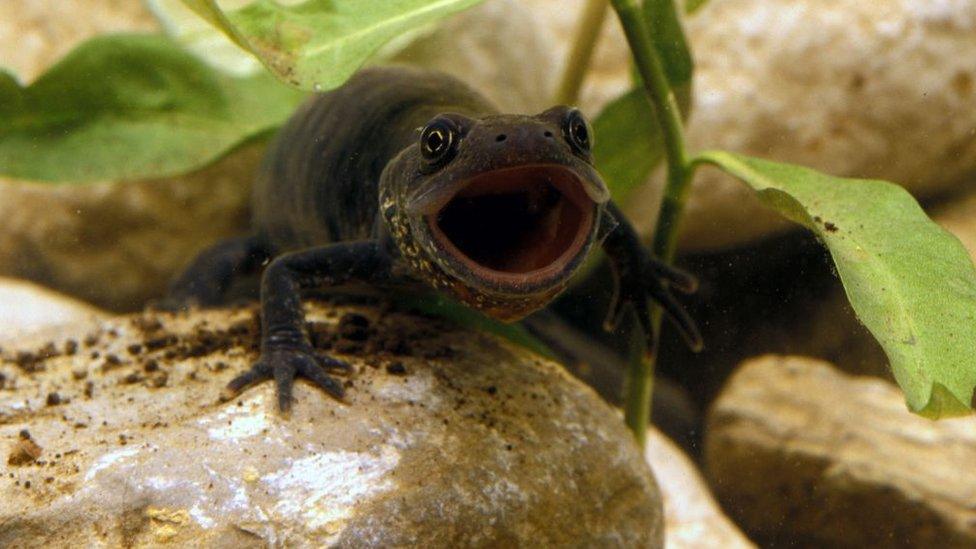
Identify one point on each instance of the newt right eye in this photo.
(438, 141)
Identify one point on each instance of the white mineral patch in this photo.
(323, 490)
(235, 423)
(109, 460)
(201, 517)
(412, 387)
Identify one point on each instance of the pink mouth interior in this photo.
(517, 225)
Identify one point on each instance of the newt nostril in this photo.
(501, 137)
(548, 134)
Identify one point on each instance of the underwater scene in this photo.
(488, 273)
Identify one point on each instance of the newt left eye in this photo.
(577, 132)
(438, 141)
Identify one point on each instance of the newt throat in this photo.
(516, 226)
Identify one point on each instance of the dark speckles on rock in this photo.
(396, 368)
(132, 378)
(159, 342)
(25, 450)
(353, 327)
(111, 362)
(347, 347)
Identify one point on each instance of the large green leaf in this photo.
(911, 282)
(318, 44)
(628, 141)
(129, 107)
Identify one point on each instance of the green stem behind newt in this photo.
(581, 52)
(679, 171)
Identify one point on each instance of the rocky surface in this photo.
(800, 453)
(852, 88)
(114, 436)
(692, 518)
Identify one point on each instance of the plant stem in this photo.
(587, 33)
(640, 376)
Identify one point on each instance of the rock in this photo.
(34, 34)
(691, 517)
(26, 307)
(799, 453)
(119, 244)
(450, 438)
(847, 87)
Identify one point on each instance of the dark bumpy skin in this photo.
(408, 177)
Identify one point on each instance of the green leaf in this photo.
(318, 44)
(691, 6)
(628, 142)
(131, 107)
(203, 39)
(910, 282)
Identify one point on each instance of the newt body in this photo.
(403, 176)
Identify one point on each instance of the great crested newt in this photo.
(405, 176)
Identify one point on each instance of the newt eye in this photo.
(438, 141)
(576, 130)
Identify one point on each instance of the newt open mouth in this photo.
(516, 226)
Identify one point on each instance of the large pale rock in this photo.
(865, 89)
(692, 519)
(800, 453)
(26, 307)
(448, 439)
(119, 244)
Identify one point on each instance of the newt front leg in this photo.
(640, 277)
(286, 351)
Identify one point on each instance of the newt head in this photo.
(501, 210)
